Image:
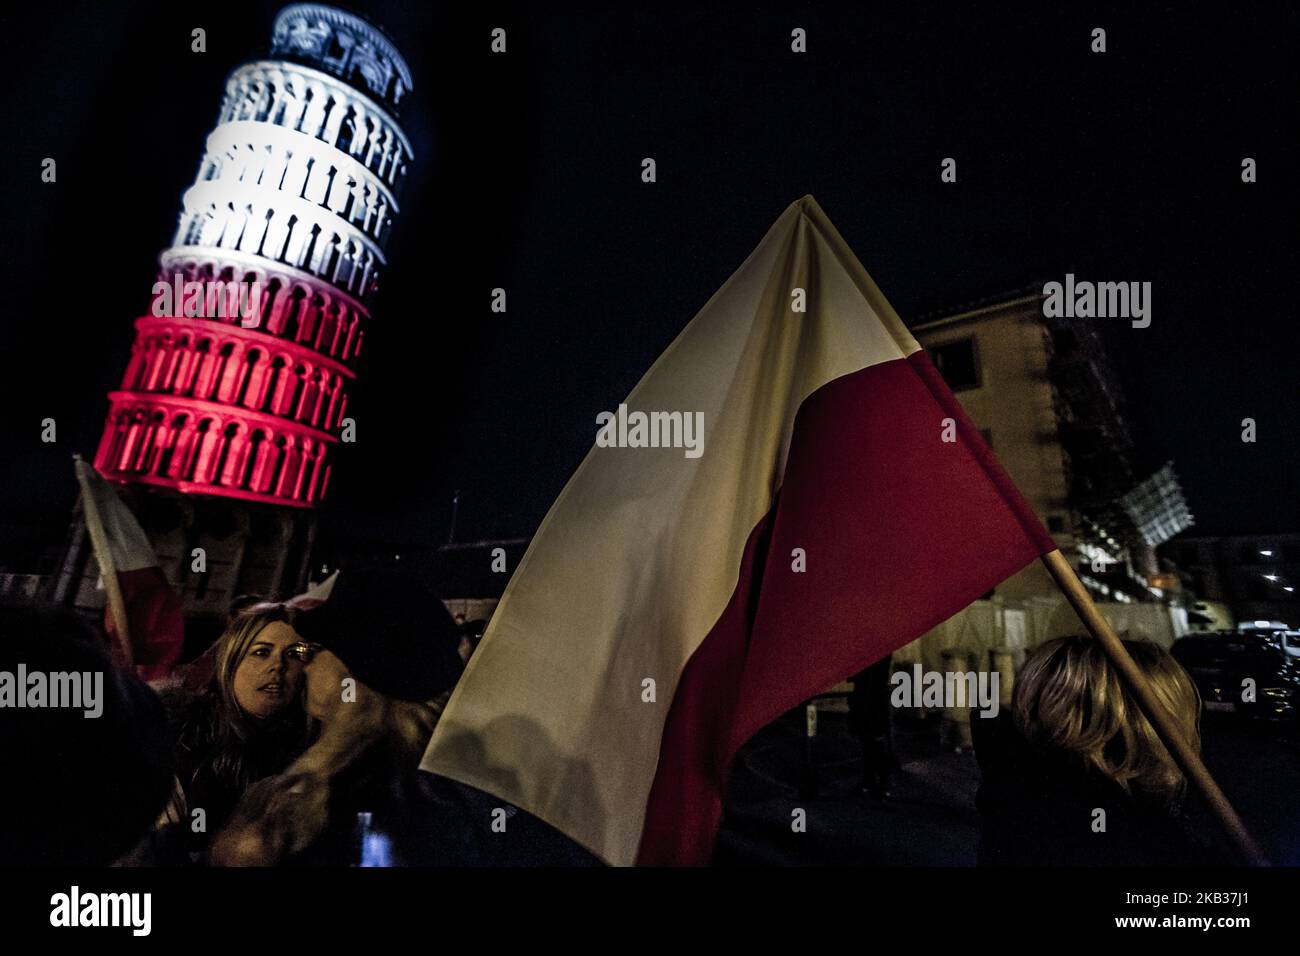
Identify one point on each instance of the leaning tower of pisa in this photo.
(237, 389)
(294, 198)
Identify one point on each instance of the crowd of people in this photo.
(296, 740)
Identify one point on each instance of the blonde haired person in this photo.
(369, 746)
(380, 665)
(1076, 774)
(244, 723)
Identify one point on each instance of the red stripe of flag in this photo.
(900, 530)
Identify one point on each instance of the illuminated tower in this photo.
(294, 199)
(295, 194)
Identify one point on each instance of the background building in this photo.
(1254, 576)
(1045, 395)
(226, 425)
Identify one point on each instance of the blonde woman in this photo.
(380, 663)
(247, 723)
(1076, 774)
(368, 748)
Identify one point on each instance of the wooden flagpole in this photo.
(1170, 733)
(104, 558)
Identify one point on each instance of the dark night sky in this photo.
(1123, 166)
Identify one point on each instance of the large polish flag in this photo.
(826, 524)
(143, 614)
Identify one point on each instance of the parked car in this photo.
(1261, 626)
(1221, 662)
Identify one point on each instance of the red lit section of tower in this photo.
(238, 387)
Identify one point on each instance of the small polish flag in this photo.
(143, 615)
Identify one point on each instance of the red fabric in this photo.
(900, 530)
(154, 619)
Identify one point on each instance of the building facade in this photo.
(235, 398)
(1044, 395)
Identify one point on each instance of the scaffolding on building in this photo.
(1158, 508)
